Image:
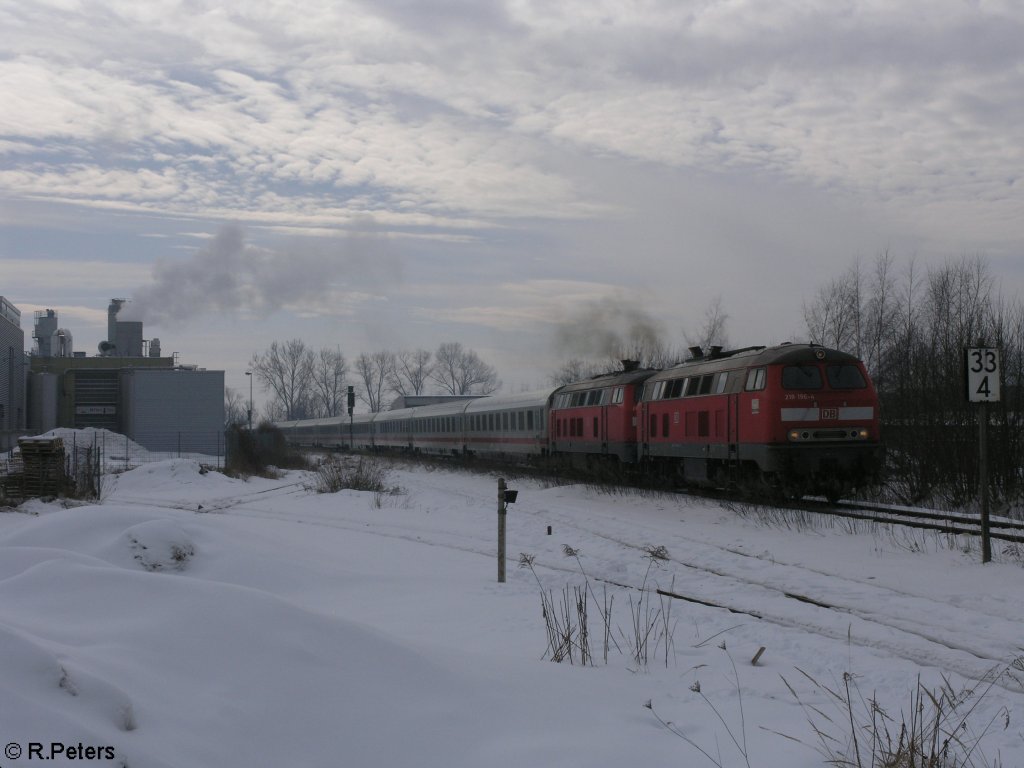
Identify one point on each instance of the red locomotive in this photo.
(799, 417)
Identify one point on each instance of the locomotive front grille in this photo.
(840, 434)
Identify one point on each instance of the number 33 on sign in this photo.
(982, 366)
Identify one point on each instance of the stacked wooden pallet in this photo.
(43, 459)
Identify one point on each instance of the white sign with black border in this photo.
(982, 365)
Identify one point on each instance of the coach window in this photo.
(705, 383)
(504, 422)
(801, 377)
(529, 420)
(617, 396)
(720, 384)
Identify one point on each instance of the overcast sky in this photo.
(394, 173)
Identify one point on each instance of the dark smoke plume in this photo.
(612, 329)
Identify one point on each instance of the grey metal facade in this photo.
(12, 370)
(174, 409)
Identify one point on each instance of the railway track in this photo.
(927, 519)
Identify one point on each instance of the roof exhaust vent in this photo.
(696, 353)
(629, 365)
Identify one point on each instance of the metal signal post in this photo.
(506, 496)
(351, 406)
(981, 368)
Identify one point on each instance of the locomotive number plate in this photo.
(829, 413)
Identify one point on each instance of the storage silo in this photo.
(45, 327)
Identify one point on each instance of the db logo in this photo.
(830, 413)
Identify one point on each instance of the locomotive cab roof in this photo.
(749, 357)
(613, 379)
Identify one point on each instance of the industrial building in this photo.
(12, 374)
(128, 387)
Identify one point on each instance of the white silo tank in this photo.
(62, 343)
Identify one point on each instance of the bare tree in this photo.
(574, 370)
(330, 369)
(712, 331)
(285, 370)
(460, 371)
(236, 407)
(833, 318)
(412, 372)
(882, 318)
(374, 371)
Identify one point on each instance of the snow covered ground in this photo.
(190, 619)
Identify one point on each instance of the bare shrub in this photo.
(567, 620)
(362, 474)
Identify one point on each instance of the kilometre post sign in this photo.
(982, 367)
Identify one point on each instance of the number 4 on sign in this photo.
(982, 368)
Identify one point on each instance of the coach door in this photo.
(641, 429)
(733, 421)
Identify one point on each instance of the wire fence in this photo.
(119, 453)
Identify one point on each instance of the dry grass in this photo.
(934, 729)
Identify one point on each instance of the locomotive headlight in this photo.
(863, 434)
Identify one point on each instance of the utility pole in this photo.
(351, 406)
(506, 496)
(501, 530)
(249, 374)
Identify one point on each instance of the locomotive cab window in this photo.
(755, 379)
(845, 377)
(801, 377)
